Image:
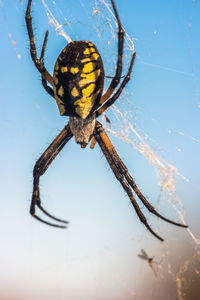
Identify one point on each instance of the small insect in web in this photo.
(152, 263)
(77, 86)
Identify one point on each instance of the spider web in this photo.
(124, 115)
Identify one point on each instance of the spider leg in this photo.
(40, 168)
(118, 72)
(106, 147)
(93, 143)
(116, 160)
(39, 63)
(44, 81)
(123, 169)
(47, 87)
(110, 101)
(144, 200)
(44, 46)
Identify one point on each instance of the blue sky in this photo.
(96, 258)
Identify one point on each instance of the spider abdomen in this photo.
(78, 79)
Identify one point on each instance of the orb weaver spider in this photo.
(77, 86)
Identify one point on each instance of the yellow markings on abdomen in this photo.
(59, 102)
(85, 60)
(89, 43)
(74, 92)
(88, 50)
(89, 67)
(88, 78)
(86, 92)
(56, 66)
(61, 91)
(64, 69)
(55, 79)
(55, 73)
(74, 70)
(94, 56)
(88, 73)
(84, 105)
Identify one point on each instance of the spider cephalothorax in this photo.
(77, 86)
(82, 129)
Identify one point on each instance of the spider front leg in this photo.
(48, 89)
(44, 81)
(127, 182)
(118, 72)
(40, 168)
(105, 100)
(39, 63)
(116, 95)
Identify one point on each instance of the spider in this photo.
(77, 86)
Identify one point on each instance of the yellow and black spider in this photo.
(77, 86)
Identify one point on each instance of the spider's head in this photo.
(82, 129)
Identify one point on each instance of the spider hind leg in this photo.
(40, 168)
(127, 182)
